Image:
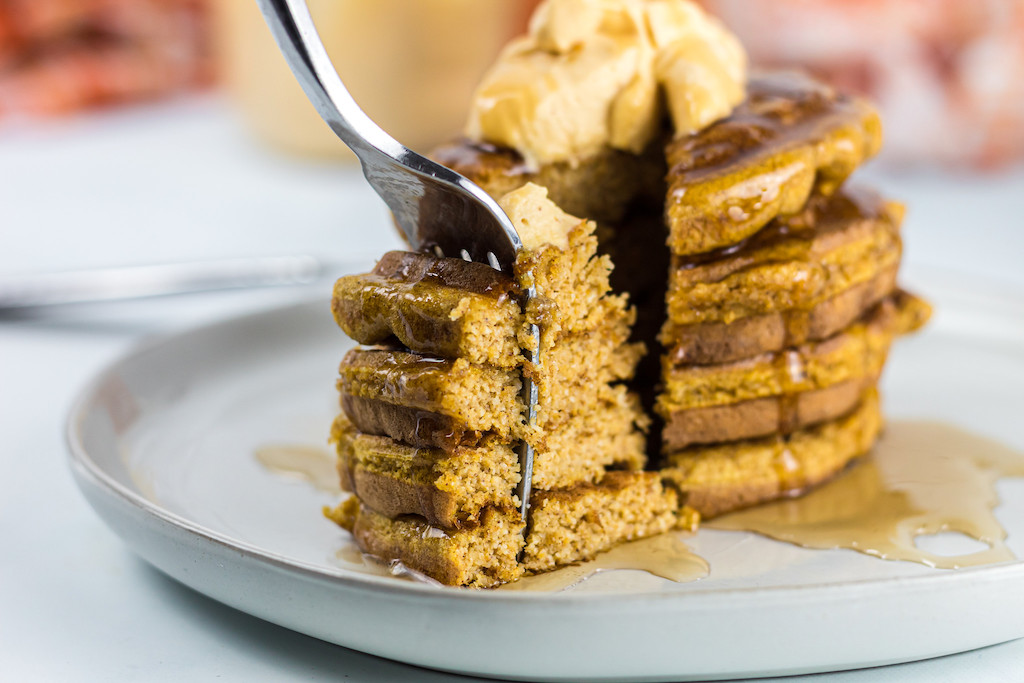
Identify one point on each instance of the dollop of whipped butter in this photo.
(599, 73)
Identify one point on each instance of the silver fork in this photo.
(435, 207)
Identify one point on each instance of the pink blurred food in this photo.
(948, 74)
(58, 56)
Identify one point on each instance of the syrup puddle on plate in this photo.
(312, 464)
(353, 559)
(664, 555)
(921, 479)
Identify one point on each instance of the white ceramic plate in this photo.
(162, 444)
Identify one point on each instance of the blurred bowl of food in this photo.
(62, 56)
(948, 75)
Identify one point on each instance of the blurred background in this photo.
(948, 74)
(136, 131)
(149, 131)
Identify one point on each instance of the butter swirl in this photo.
(602, 73)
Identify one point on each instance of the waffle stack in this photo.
(781, 300)
(762, 304)
(432, 411)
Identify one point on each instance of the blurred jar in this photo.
(411, 65)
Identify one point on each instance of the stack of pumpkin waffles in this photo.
(782, 298)
(731, 358)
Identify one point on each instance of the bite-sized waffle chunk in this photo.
(474, 398)
(482, 556)
(605, 433)
(447, 488)
(566, 526)
(572, 525)
(445, 307)
(428, 401)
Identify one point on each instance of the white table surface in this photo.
(182, 182)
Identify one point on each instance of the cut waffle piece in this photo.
(447, 488)
(427, 441)
(483, 556)
(466, 398)
(445, 307)
(565, 526)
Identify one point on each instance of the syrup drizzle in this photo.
(664, 555)
(299, 461)
(353, 559)
(923, 478)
